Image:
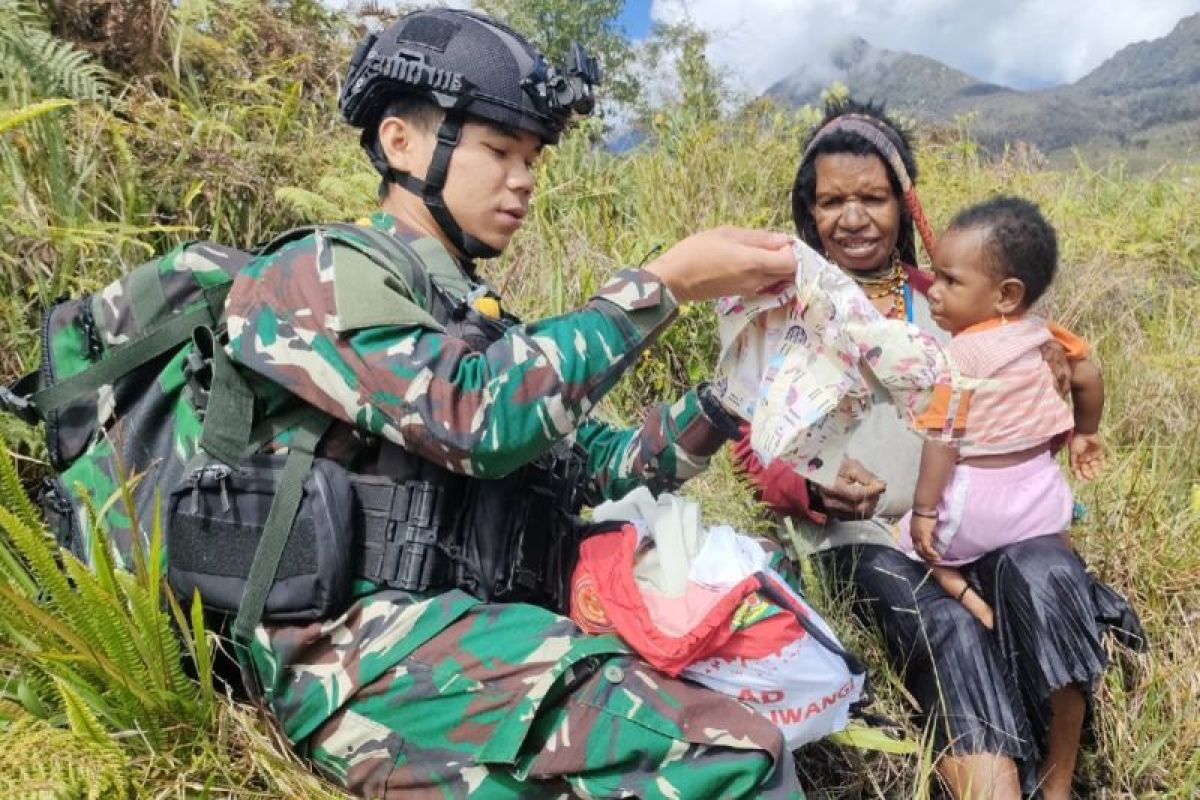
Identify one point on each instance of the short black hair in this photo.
(1019, 242)
(804, 189)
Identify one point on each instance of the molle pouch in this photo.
(520, 538)
(216, 517)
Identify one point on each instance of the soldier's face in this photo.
(490, 181)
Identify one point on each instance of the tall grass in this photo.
(235, 137)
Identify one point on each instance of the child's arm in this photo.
(937, 464)
(1087, 399)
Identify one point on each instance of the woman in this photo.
(1008, 708)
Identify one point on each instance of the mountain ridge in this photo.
(1144, 99)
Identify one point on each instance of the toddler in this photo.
(999, 483)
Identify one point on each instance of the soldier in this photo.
(437, 693)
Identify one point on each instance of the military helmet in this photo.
(469, 66)
(464, 61)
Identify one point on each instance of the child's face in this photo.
(965, 291)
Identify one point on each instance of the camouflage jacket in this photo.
(348, 337)
(320, 321)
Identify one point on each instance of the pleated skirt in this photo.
(989, 691)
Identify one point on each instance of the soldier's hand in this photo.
(725, 261)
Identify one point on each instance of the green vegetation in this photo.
(226, 129)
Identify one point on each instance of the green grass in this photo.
(237, 139)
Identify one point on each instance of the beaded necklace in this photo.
(890, 282)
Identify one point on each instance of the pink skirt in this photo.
(984, 509)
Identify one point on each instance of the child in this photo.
(1000, 484)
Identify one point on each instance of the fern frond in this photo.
(41, 760)
(51, 64)
(202, 650)
(78, 647)
(193, 634)
(12, 493)
(35, 547)
(80, 719)
(309, 205)
(110, 628)
(11, 119)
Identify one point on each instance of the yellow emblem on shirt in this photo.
(488, 306)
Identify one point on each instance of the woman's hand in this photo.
(855, 493)
(1055, 356)
(1087, 456)
(725, 261)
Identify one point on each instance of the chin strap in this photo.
(430, 190)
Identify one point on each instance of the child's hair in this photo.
(1020, 243)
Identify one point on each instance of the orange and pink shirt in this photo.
(1017, 405)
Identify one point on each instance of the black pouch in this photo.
(215, 520)
(519, 540)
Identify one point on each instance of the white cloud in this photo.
(1019, 43)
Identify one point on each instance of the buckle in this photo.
(17, 398)
(400, 540)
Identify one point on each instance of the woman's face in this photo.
(857, 214)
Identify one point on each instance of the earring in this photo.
(1003, 319)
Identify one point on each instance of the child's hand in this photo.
(922, 530)
(1087, 456)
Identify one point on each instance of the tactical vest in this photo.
(510, 539)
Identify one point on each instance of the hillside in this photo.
(231, 134)
(1144, 101)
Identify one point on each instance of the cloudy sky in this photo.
(1018, 43)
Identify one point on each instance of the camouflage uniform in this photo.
(412, 696)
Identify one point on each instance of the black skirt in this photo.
(989, 691)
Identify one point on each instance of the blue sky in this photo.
(635, 18)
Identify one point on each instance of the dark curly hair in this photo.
(1019, 242)
(804, 189)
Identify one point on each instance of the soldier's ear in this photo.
(407, 146)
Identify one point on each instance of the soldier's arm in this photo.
(673, 443)
(480, 413)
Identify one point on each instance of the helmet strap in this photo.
(430, 190)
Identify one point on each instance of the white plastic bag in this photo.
(805, 688)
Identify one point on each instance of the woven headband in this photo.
(877, 134)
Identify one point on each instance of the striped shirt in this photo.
(1017, 406)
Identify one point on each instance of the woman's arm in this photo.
(853, 495)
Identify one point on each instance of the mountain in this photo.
(1143, 101)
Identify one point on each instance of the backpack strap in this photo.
(278, 525)
(227, 432)
(16, 398)
(390, 252)
(229, 412)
